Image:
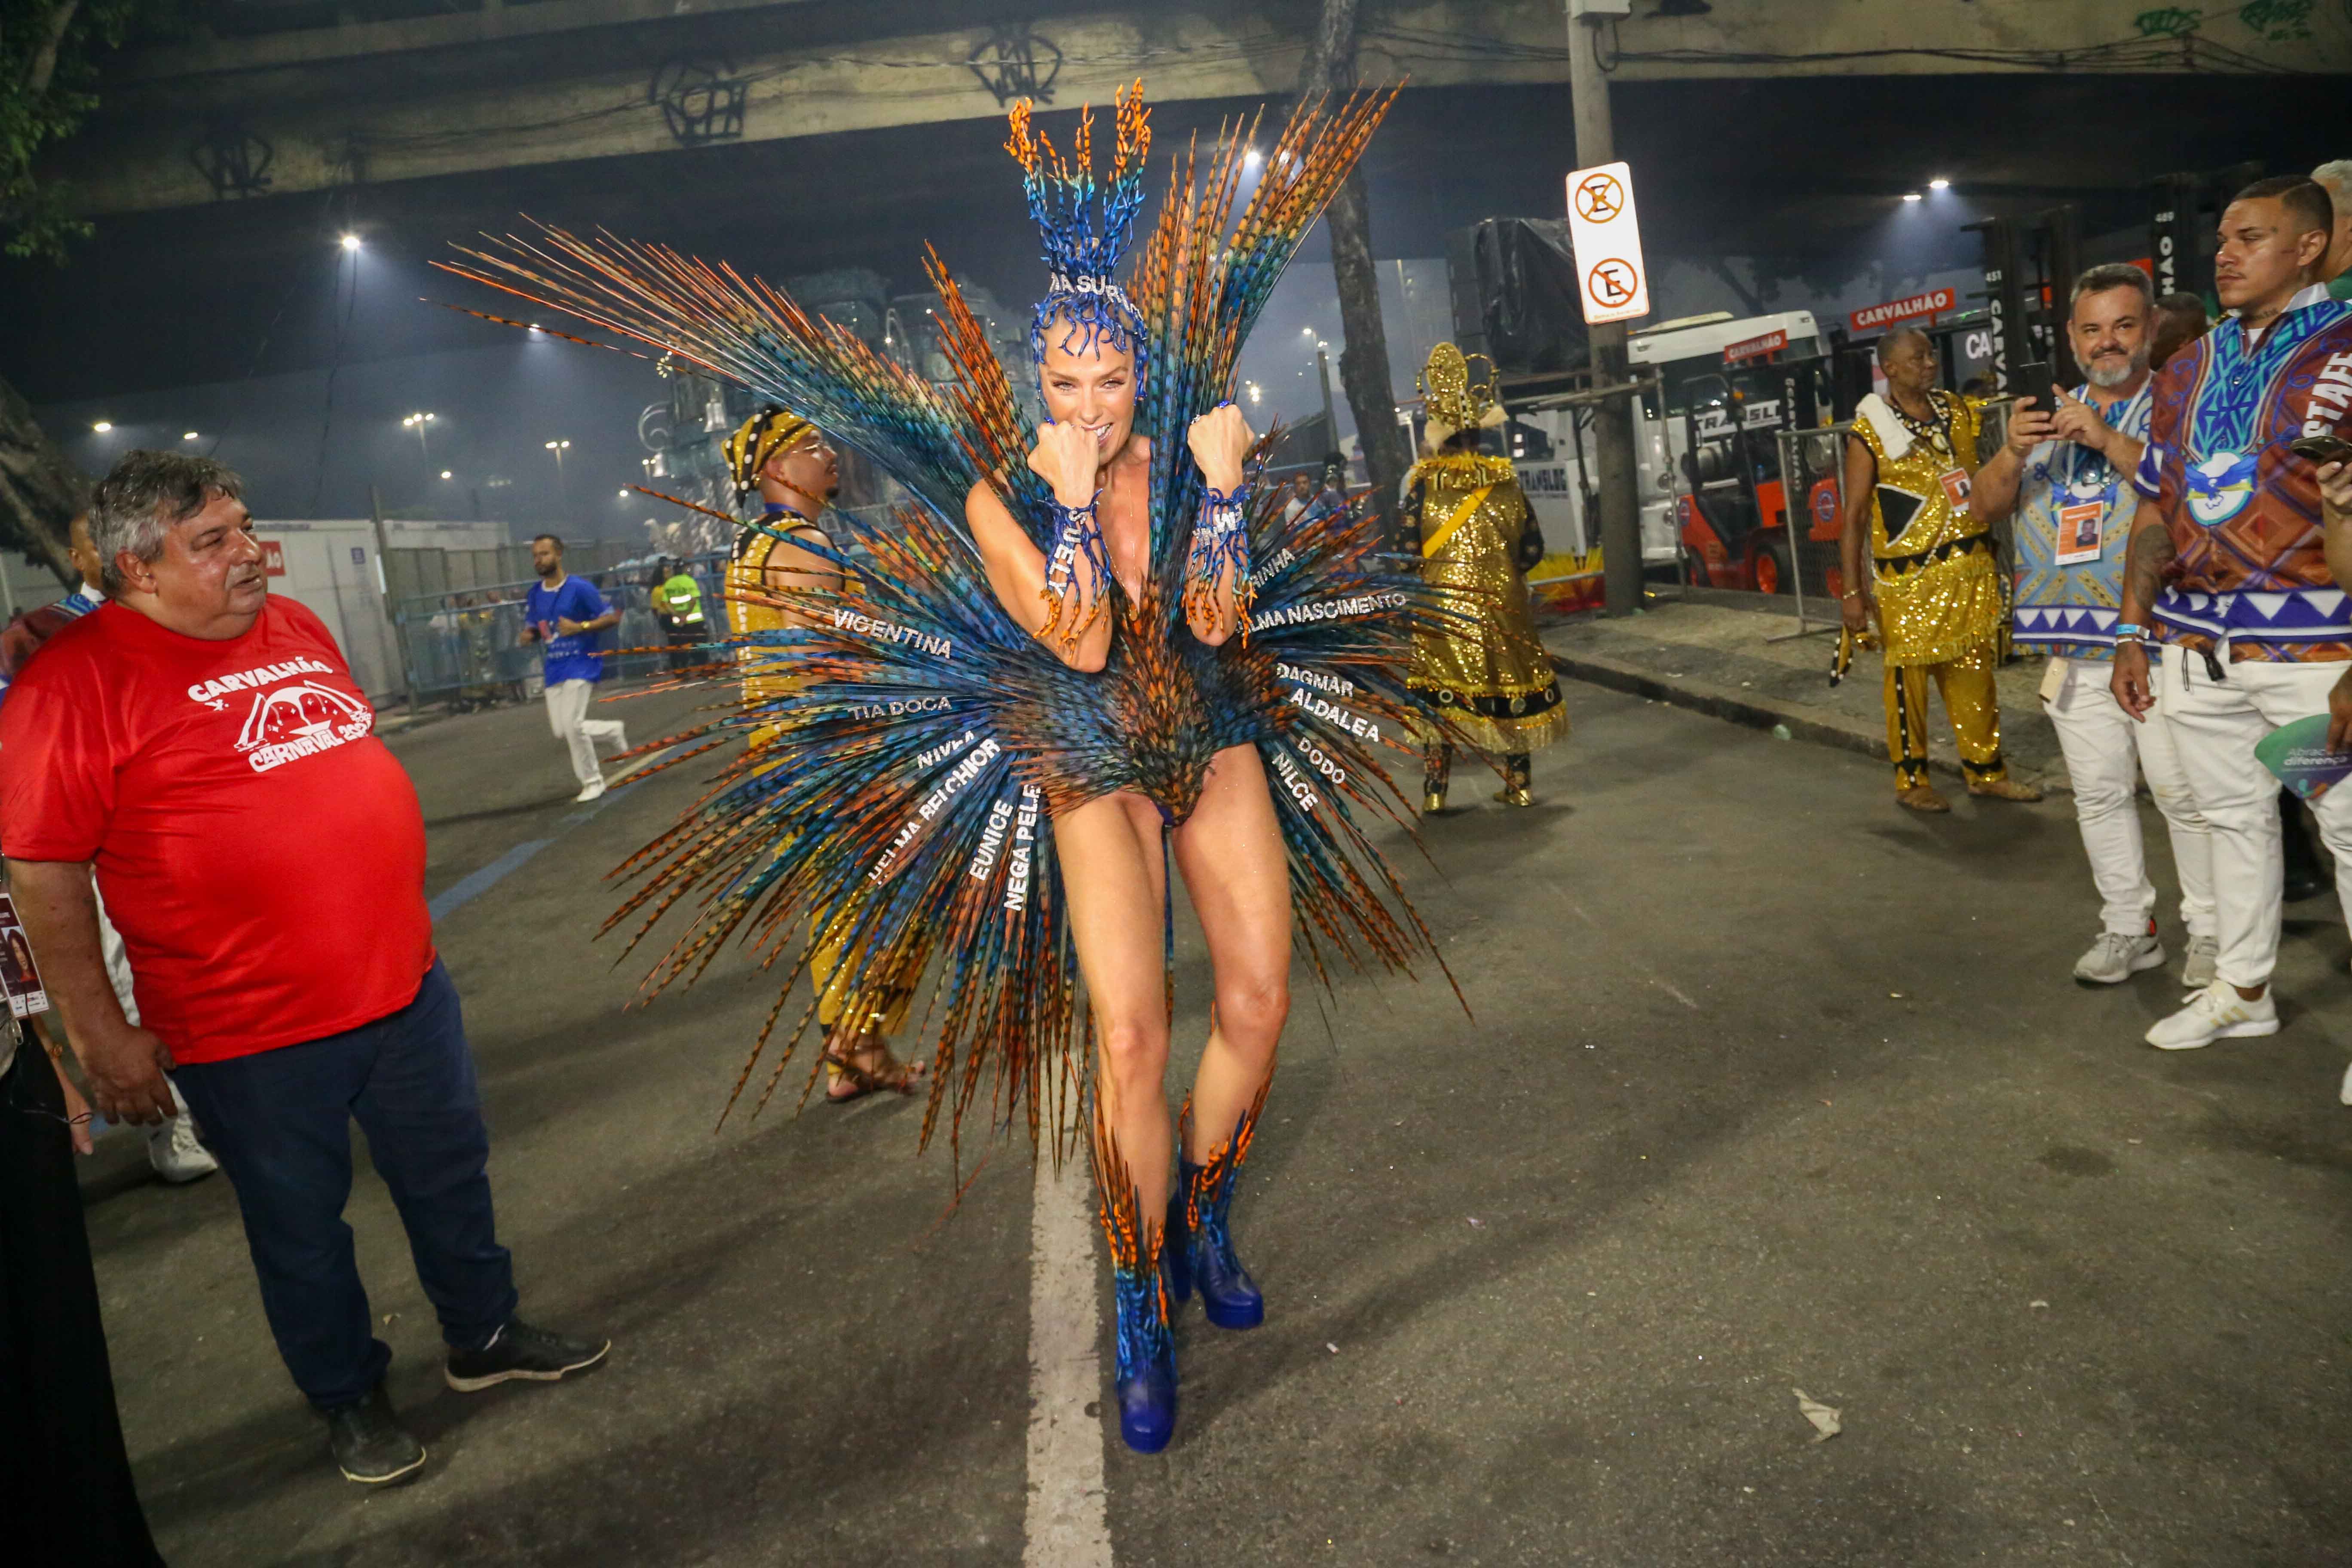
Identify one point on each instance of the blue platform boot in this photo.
(1146, 1351)
(1200, 1227)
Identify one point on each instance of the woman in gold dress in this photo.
(1464, 514)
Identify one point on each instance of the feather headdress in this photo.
(1082, 255)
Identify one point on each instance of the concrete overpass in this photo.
(312, 95)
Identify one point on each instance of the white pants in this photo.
(2104, 748)
(567, 715)
(2215, 726)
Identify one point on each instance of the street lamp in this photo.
(559, 448)
(417, 422)
(1939, 184)
(444, 473)
(187, 434)
(103, 426)
(351, 242)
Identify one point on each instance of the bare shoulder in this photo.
(982, 505)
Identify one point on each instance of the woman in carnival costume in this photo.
(1079, 653)
(1485, 669)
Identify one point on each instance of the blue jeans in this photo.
(278, 1122)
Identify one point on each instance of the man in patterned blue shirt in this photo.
(2064, 473)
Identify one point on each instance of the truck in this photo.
(1714, 508)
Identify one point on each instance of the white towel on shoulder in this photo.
(1893, 434)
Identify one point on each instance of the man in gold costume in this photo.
(1488, 672)
(1909, 464)
(796, 473)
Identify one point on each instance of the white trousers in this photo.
(2106, 748)
(567, 715)
(2215, 726)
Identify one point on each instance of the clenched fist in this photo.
(1068, 457)
(1221, 440)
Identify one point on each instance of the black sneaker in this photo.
(519, 1350)
(369, 1444)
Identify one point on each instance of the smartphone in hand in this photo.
(2322, 449)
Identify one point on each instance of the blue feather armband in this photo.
(1079, 539)
(1219, 540)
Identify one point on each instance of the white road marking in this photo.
(1648, 979)
(1067, 1526)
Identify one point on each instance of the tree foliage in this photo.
(50, 53)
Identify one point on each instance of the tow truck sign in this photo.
(1607, 240)
(1754, 348)
(1887, 312)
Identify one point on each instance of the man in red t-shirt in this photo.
(202, 745)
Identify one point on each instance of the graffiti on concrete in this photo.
(2277, 21)
(2168, 22)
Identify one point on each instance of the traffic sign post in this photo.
(1614, 471)
(1607, 237)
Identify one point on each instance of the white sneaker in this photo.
(2197, 970)
(2216, 1012)
(2115, 957)
(175, 1152)
(594, 791)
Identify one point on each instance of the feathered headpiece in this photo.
(1455, 403)
(1082, 256)
(757, 439)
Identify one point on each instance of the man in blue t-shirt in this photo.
(567, 618)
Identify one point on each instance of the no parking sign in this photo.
(1607, 239)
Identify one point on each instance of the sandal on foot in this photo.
(899, 1077)
(1922, 797)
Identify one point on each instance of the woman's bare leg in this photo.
(1231, 853)
(1114, 881)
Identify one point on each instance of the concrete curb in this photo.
(1740, 708)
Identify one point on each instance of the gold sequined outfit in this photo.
(1939, 590)
(1490, 673)
(766, 677)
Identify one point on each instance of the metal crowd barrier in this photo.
(465, 646)
(1812, 470)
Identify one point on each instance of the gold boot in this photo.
(1519, 773)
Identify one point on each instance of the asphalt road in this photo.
(1768, 1086)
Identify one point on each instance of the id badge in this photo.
(2078, 532)
(1957, 486)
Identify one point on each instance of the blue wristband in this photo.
(2129, 629)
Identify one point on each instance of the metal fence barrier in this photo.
(465, 646)
(1813, 468)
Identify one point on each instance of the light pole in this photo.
(559, 448)
(417, 422)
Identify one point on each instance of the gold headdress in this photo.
(758, 438)
(1454, 401)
